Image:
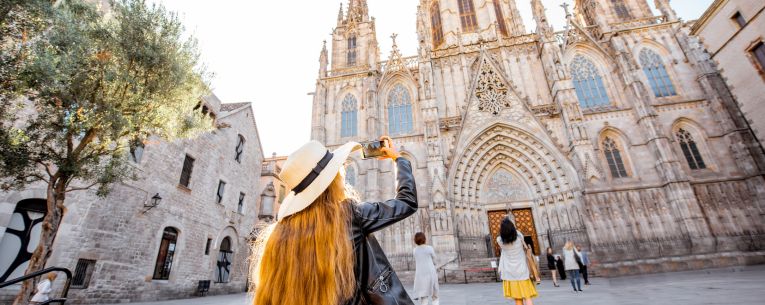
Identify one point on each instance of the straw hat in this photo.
(308, 172)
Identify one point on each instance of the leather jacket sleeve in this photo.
(374, 216)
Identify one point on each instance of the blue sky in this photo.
(266, 52)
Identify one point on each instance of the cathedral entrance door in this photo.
(495, 220)
(524, 222)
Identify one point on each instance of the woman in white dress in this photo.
(425, 276)
(513, 268)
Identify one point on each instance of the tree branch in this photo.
(81, 188)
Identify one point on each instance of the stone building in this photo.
(134, 246)
(617, 133)
(273, 190)
(733, 32)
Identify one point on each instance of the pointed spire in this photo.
(323, 60)
(538, 10)
(358, 10)
(666, 9)
(340, 15)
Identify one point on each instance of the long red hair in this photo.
(307, 258)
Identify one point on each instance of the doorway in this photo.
(524, 222)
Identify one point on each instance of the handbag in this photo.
(578, 259)
(532, 264)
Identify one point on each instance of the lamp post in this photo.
(153, 202)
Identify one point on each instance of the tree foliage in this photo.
(90, 85)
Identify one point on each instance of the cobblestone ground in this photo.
(740, 285)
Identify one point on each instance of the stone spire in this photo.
(538, 10)
(340, 15)
(323, 61)
(358, 11)
(666, 9)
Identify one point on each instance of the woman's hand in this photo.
(389, 151)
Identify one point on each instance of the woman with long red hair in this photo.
(321, 250)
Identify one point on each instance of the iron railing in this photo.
(61, 300)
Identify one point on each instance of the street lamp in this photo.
(153, 202)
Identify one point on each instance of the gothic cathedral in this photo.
(617, 133)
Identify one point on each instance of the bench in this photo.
(203, 287)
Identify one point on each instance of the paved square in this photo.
(739, 285)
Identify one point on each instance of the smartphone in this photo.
(372, 149)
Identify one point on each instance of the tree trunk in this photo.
(56, 193)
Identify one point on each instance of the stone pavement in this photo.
(739, 285)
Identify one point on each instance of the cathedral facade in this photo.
(617, 133)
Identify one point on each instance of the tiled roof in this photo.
(232, 106)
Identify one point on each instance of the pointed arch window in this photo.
(621, 9)
(225, 255)
(656, 73)
(467, 15)
(350, 175)
(501, 25)
(351, 59)
(690, 149)
(614, 158)
(348, 116)
(435, 24)
(588, 83)
(399, 111)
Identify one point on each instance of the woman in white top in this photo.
(43, 289)
(425, 276)
(513, 268)
(572, 268)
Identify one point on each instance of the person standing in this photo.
(321, 250)
(585, 261)
(425, 276)
(43, 289)
(551, 265)
(513, 266)
(570, 260)
(559, 266)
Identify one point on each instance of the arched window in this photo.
(351, 59)
(588, 83)
(166, 253)
(621, 10)
(435, 24)
(399, 110)
(656, 73)
(348, 116)
(239, 149)
(467, 15)
(500, 18)
(350, 175)
(614, 158)
(224, 261)
(690, 150)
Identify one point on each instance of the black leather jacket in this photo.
(376, 282)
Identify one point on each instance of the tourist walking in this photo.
(43, 289)
(321, 249)
(585, 261)
(571, 260)
(561, 269)
(513, 266)
(425, 276)
(551, 265)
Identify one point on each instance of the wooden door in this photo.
(495, 220)
(524, 222)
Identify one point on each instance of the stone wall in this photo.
(123, 236)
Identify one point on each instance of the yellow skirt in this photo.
(519, 289)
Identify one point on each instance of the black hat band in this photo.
(313, 174)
